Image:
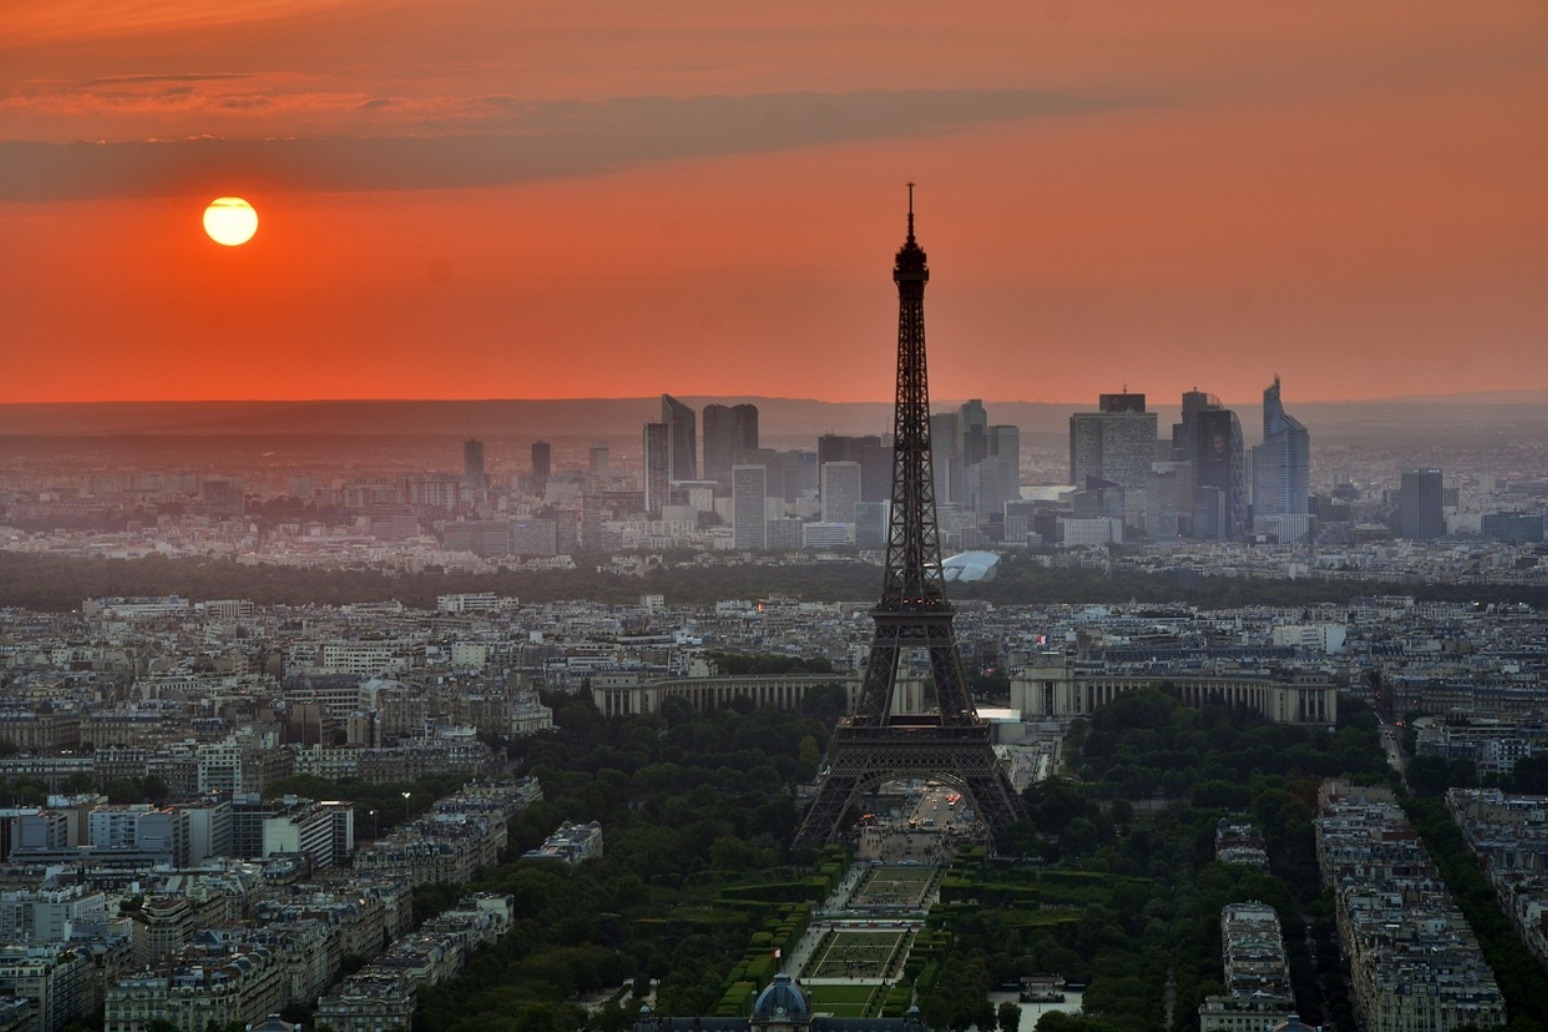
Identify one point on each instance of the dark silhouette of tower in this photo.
(730, 432)
(1420, 505)
(658, 466)
(682, 439)
(473, 464)
(1210, 438)
(875, 744)
(542, 466)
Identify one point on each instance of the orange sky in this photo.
(494, 198)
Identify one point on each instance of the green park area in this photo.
(843, 1001)
(856, 954)
(894, 884)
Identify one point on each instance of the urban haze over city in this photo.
(684, 518)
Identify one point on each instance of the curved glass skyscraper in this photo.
(1281, 472)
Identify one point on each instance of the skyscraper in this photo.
(1169, 501)
(473, 464)
(946, 437)
(657, 467)
(973, 426)
(1005, 445)
(1281, 472)
(1209, 438)
(1117, 442)
(682, 439)
(599, 459)
(749, 508)
(871, 524)
(998, 478)
(875, 460)
(730, 432)
(1420, 515)
(840, 491)
(542, 466)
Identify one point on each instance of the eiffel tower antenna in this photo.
(874, 744)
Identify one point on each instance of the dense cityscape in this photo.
(474, 556)
(224, 812)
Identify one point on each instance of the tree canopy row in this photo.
(52, 583)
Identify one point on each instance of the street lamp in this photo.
(373, 825)
(405, 796)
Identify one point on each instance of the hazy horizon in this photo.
(1437, 421)
(1500, 396)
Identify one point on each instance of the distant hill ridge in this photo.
(1524, 413)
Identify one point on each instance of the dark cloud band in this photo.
(535, 142)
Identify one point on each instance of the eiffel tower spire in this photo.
(874, 744)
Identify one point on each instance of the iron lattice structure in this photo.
(874, 744)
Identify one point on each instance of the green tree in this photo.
(79, 782)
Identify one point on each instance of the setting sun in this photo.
(230, 221)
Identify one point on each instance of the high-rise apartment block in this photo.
(1420, 515)
(730, 433)
(1281, 473)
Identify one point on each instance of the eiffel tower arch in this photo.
(874, 744)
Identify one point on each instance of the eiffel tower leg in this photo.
(996, 800)
(864, 757)
(826, 815)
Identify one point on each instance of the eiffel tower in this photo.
(873, 744)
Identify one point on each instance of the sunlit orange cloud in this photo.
(1134, 195)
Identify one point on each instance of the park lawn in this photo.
(869, 950)
(899, 882)
(844, 1001)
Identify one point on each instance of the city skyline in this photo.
(471, 201)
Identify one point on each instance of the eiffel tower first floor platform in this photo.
(866, 756)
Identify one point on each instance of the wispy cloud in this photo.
(78, 20)
(504, 141)
(125, 80)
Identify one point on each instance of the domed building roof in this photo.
(782, 1001)
(1293, 1024)
(273, 1024)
